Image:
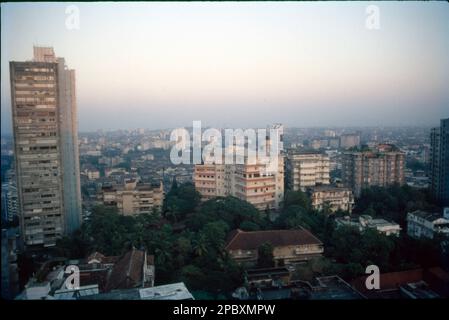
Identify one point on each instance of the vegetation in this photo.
(188, 237)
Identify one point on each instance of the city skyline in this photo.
(170, 64)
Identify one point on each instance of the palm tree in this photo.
(200, 245)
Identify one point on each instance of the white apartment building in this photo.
(248, 182)
(306, 169)
(425, 224)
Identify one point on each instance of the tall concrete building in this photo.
(45, 129)
(439, 161)
(381, 167)
(306, 169)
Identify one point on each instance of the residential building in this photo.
(382, 167)
(134, 198)
(248, 182)
(134, 270)
(92, 173)
(331, 197)
(426, 224)
(289, 246)
(364, 222)
(439, 161)
(306, 169)
(46, 147)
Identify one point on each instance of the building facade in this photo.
(289, 246)
(422, 224)
(364, 222)
(133, 198)
(248, 182)
(307, 169)
(381, 167)
(334, 198)
(43, 104)
(439, 162)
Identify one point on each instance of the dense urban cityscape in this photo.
(107, 214)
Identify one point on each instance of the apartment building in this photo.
(248, 182)
(334, 198)
(380, 167)
(306, 169)
(134, 198)
(45, 130)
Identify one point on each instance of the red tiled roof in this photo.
(252, 240)
(128, 271)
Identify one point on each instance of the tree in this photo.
(265, 257)
(296, 198)
(180, 201)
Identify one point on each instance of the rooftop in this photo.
(251, 240)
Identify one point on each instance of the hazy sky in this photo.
(158, 65)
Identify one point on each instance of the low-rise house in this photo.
(334, 198)
(289, 246)
(365, 221)
(426, 224)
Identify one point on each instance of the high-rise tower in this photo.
(46, 147)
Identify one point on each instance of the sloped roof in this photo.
(252, 240)
(128, 271)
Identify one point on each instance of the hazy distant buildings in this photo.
(439, 161)
(133, 198)
(349, 141)
(381, 167)
(46, 147)
(9, 197)
(306, 169)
